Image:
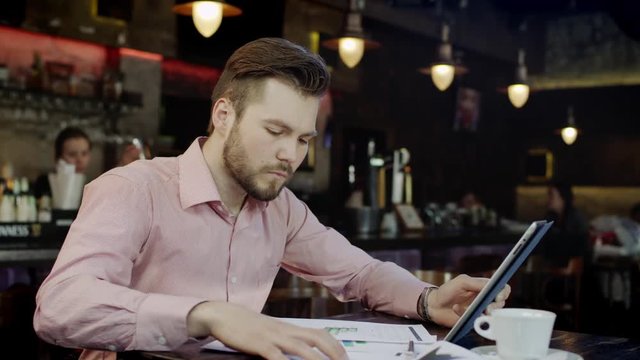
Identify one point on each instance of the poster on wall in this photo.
(467, 112)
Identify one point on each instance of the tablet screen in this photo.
(509, 266)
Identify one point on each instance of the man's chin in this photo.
(266, 194)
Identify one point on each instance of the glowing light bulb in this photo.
(442, 76)
(351, 50)
(569, 135)
(207, 16)
(518, 94)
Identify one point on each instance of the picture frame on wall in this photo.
(467, 113)
(539, 164)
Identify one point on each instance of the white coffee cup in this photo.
(519, 333)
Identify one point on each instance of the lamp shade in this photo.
(352, 42)
(351, 50)
(442, 75)
(519, 91)
(569, 135)
(207, 15)
(444, 69)
(518, 94)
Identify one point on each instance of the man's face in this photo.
(266, 146)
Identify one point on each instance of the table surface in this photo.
(590, 347)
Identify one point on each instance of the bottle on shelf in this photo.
(36, 75)
(8, 204)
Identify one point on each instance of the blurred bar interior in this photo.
(438, 175)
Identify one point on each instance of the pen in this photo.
(410, 354)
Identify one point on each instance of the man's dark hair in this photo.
(258, 60)
(66, 134)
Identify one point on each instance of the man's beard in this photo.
(236, 160)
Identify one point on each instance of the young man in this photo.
(177, 248)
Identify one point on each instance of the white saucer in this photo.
(490, 352)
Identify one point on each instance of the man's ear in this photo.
(222, 116)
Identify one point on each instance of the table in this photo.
(590, 347)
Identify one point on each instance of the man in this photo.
(177, 248)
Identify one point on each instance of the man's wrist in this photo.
(423, 308)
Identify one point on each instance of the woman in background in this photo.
(73, 146)
(570, 232)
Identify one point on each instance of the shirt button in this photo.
(406, 316)
(162, 340)
(234, 279)
(111, 348)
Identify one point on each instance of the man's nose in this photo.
(287, 151)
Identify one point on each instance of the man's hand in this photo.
(253, 333)
(448, 303)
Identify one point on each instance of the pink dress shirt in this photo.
(153, 239)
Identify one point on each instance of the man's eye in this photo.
(274, 132)
(303, 141)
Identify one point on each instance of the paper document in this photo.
(367, 331)
(362, 350)
(356, 350)
(363, 340)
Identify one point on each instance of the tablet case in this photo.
(509, 266)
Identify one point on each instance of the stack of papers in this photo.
(374, 341)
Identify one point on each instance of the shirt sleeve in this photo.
(86, 301)
(323, 255)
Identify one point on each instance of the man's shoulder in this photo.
(159, 169)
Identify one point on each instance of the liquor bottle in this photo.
(371, 191)
(36, 75)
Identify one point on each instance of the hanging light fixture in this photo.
(519, 91)
(569, 133)
(444, 69)
(353, 42)
(207, 15)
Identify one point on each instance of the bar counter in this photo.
(43, 249)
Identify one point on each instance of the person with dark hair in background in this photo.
(172, 250)
(570, 232)
(73, 146)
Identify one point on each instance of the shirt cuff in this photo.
(162, 322)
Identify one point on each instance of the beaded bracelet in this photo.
(425, 308)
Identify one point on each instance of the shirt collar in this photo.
(195, 180)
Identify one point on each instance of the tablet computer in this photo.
(509, 266)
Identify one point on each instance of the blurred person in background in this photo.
(73, 146)
(470, 200)
(570, 232)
